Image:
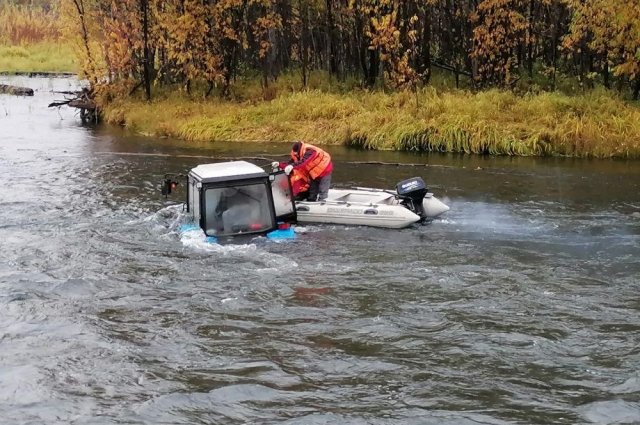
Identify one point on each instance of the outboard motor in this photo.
(412, 191)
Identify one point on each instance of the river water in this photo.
(520, 305)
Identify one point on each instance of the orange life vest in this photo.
(299, 182)
(318, 163)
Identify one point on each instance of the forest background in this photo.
(515, 77)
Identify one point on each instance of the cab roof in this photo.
(222, 171)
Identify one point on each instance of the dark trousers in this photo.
(319, 188)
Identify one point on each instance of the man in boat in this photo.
(313, 163)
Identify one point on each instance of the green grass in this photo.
(595, 124)
(39, 57)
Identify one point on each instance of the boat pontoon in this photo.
(410, 203)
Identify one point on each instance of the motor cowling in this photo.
(411, 192)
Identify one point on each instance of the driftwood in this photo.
(82, 100)
(18, 91)
(40, 74)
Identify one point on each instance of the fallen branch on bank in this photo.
(82, 100)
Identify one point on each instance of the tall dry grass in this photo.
(22, 24)
(596, 124)
(31, 39)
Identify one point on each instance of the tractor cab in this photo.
(238, 198)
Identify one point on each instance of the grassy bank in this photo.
(31, 39)
(596, 124)
(38, 57)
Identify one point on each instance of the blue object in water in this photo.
(278, 234)
(282, 234)
(189, 227)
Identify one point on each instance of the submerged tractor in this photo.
(235, 198)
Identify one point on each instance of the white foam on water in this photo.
(197, 240)
(307, 229)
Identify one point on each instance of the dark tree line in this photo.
(138, 43)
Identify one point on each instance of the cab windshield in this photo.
(237, 209)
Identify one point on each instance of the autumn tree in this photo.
(127, 44)
(605, 34)
(80, 28)
(500, 28)
(182, 32)
(395, 40)
(265, 31)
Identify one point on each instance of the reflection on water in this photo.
(517, 306)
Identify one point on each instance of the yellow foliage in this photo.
(611, 28)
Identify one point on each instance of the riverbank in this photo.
(596, 124)
(42, 57)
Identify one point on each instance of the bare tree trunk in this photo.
(559, 12)
(606, 75)
(530, 39)
(374, 67)
(303, 40)
(362, 47)
(85, 39)
(425, 59)
(331, 39)
(146, 75)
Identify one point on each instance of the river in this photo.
(519, 305)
